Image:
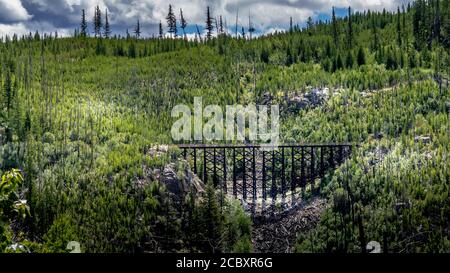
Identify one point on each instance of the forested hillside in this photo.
(84, 121)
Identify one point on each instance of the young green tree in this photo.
(349, 60)
(212, 222)
(361, 58)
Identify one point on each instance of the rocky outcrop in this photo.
(181, 182)
(176, 175)
(312, 98)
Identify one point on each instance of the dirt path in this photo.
(279, 235)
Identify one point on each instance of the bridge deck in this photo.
(285, 145)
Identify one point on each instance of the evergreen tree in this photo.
(212, 223)
(339, 64)
(209, 24)
(172, 22)
(399, 29)
(350, 29)
(289, 57)
(446, 23)
(361, 58)
(291, 27)
(97, 22)
(106, 30)
(349, 60)
(251, 29)
(161, 31)
(137, 29)
(221, 29)
(405, 32)
(437, 21)
(8, 89)
(310, 25)
(183, 23)
(335, 28)
(83, 25)
(376, 42)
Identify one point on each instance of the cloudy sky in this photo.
(23, 16)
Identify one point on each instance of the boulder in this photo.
(267, 99)
(378, 135)
(158, 150)
(423, 139)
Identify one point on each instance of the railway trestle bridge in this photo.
(265, 178)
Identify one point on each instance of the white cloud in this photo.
(13, 11)
(266, 14)
(10, 29)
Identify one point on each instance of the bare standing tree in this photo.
(183, 23)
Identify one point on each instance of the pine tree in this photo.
(399, 29)
(106, 30)
(446, 23)
(251, 29)
(209, 24)
(350, 29)
(310, 25)
(361, 58)
(97, 22)
(405, 32)
(291, 27)
(335, 28)
(172, 22)
(212, 224)
(83, 25)
(339, 64)
(376, 42)
(437, 22)
(137, 29)
(349, 60)
(221, 29)
(161, 31)
(8, 89)
(183, 23)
